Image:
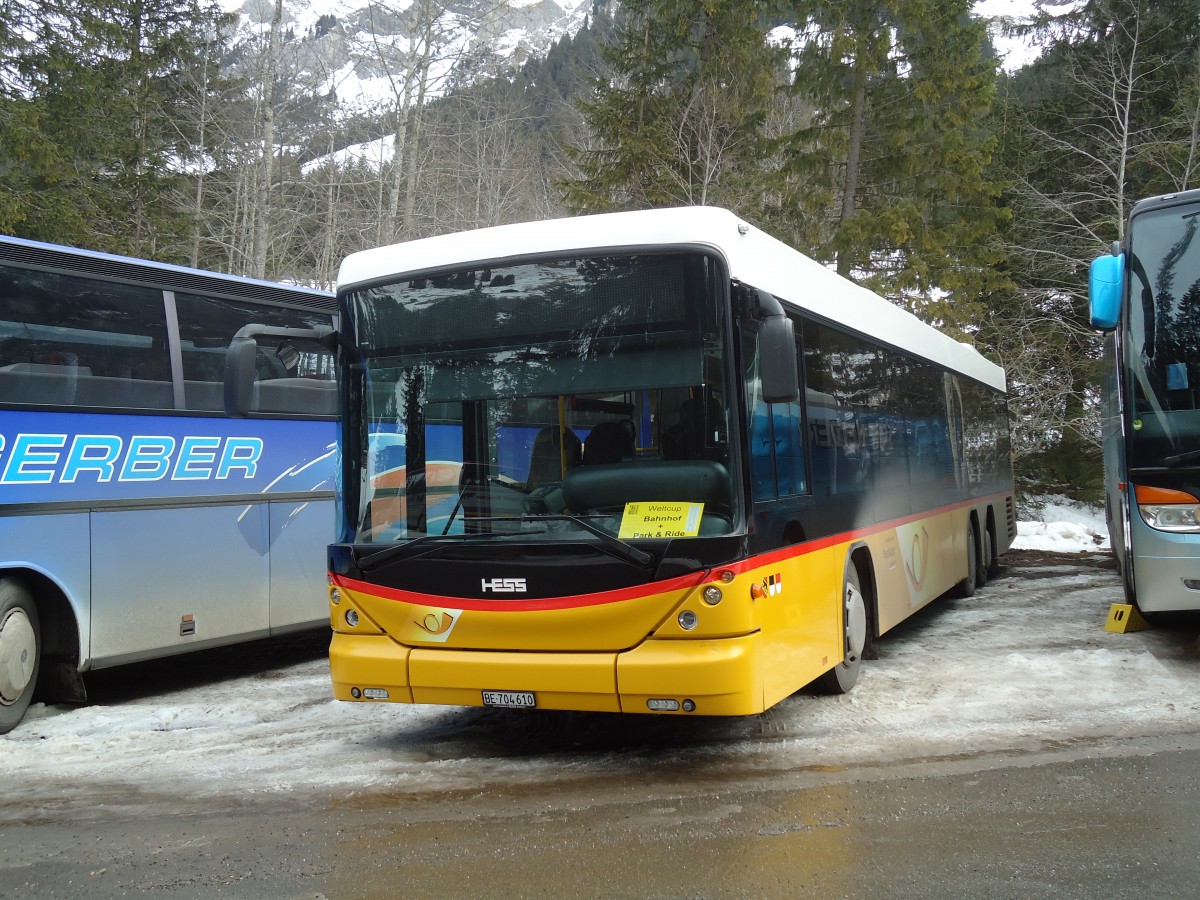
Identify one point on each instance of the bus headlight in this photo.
(352, 618)
(1171, 517)
(1167, 509)
(712, 595)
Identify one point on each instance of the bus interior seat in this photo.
(25, 382)
(681, 481)
(28, 368)
(685, 439)
(206, 395)
(125, 392)
(297, 396)
(545, 463)
(55, 385)
(610, 442)
(689, 437)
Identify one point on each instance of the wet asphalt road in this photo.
(1104, 820)
(1115, 816)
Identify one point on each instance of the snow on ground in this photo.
(1060, 525)
(1024, 664)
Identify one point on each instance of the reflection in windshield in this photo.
(1164, 325)
(544, 400)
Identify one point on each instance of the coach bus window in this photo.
(295, 384)
(935, 443)
(776, 441)
(843, 376)
(79, 342)
(985, 451)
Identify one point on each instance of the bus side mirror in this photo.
(1105, 281)
(240, 369)
(777, 357)
(241, 363)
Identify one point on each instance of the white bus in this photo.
(136, 520)
(1147, 294)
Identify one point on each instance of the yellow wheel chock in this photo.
(1123, 617)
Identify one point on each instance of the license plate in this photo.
(509, 699)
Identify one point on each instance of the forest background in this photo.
(881, 137)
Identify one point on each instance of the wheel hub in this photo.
(856, 623)
(18, 654)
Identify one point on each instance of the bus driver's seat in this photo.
(610, 442)
(545, 463)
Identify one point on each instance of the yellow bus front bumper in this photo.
(721, 677)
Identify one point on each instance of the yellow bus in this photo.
(645, 462)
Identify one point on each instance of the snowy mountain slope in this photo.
(362, 50)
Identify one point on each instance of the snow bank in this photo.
(1060, 525)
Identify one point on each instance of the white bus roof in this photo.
(146, 271)
(752, 256)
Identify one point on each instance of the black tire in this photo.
(983, 561)
(856, 634)
(1124, 559)
(1126, 570)
(993, 567)
(20, 651)
(966, 587)
(1127, 582)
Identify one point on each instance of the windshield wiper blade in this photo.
(1180, 458)
(420, 546)
(618, 547)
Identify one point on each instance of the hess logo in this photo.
(504, 585)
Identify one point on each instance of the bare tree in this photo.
(266, 112)
(1078, 161)
(415, 46)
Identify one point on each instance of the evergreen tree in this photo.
(31, 158)
(892, 178)
(103, 88)
(680, 118)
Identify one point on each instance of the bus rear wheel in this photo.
(993, 566)
(855, 631)
(983, 561)
(20, 652)
(966, 587)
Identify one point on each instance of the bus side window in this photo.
(300, 383)
(846, 380)
(787, 424)
(75, 341)
(777, 464)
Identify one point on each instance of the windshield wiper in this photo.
(420, 546)
(617, 546)
(1180, 458)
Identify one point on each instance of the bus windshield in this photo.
(1164, 355)
(541, 400)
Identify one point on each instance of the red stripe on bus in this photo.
(790, 552)
(640, 591)
(572, 601)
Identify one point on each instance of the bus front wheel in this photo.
(855, 627)
(20, 651)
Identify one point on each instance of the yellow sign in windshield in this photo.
(660, 520)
